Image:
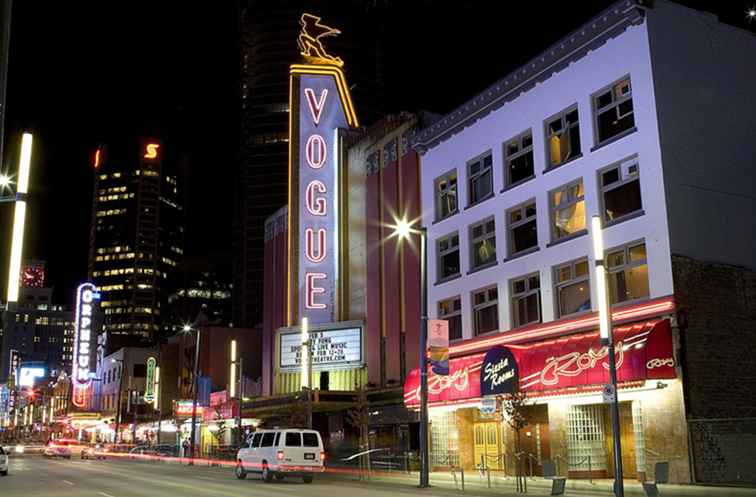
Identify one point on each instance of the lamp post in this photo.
(605, 331)
(403, 229)
(306, 372)
(187, 329)
(238, 393)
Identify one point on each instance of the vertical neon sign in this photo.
(321, 114)
(86, 295)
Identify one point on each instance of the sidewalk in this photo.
(505, 486)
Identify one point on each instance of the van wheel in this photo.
(239, 471)
(3, 473)
(307, 479)
(280, 476)
(267, 476)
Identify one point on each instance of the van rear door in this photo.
(311, 448)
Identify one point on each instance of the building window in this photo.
(518, 159)
(572, 288)
(628, 273)
(485, 310)
(448, 256)
(479, 179)
(613, 107)
(526, 300)
(567, 210)
(563, 137)
(451, 310)
(522, 230)
(620, 190)
(446, 195)
(483, 243)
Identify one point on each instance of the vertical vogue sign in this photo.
(320, 116)
(86, 294)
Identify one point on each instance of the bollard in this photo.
(462, 476)
(590, 472)
(488, 474)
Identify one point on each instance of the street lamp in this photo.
(403, 229)
(187, 329)
(605, 332)
(234, 393)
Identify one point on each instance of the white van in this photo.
(281, 453)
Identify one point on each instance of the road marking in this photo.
(67, 482)
(105, 495)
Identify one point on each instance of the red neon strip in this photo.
(647, 309)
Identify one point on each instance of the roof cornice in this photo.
(608, 24)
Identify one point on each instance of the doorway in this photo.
(487, 436)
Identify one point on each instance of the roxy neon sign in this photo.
(86, 294)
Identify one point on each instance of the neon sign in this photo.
(86, 295)
(151, 150)
(149, 389)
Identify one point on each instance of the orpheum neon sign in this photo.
(86, 295)
(322, 97)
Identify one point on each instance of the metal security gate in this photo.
(723, 450)
(585, 438)
(444, 440)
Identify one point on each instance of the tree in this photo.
(513, 409)
(359, 417)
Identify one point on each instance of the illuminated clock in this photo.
(33, 276)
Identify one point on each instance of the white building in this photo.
(646, 116)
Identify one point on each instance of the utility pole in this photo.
(194, 401)
(116, 438)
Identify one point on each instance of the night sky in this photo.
(83, 73)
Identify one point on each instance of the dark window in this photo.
(451, 310)
(526, 300)
(479, 180)
(293, 439)
(620, 191)
(572, 288)
(268, 439)
(563, 137)
(523, 232)
(485, 310)
(483, 243)
(140, 370)
(310, 440)
(256, 440)
(448, 256)
(518, 162)
(614, 110)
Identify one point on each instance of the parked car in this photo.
(281, 453)
(59, 448)
(93, 451)
(3, 462)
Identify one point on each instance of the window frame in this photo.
(553, 209)
(596, 110)
(522, 151)
(625, 248)
(472, 177)
(572, 281)
(438, 193)
(440, 255)
(485, 236)
(562, 116)
(453, 313)
(488, 303)
(604, 189)
(514, 298)
(525, 220)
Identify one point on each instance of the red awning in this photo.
(643, 352)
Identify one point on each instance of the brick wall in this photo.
(717, 310)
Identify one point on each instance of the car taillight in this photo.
(322, 456)
(280, 455)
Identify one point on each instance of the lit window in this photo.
(572, 288)
(483, 244)
(628, 273)
(446, 195)
(567, 210)
(563, 137)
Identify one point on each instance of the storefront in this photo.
(568, 422)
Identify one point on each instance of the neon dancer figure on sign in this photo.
(309, 39)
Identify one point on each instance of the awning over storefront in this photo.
(643, 351)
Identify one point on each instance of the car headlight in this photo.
(19, 449)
